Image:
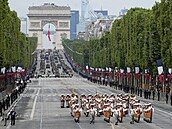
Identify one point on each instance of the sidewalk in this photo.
(161, 103)
(14, 103)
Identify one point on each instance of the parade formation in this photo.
(107, 106)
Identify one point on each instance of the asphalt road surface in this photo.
(39, 107)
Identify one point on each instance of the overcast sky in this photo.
(114, 6)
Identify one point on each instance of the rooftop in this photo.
(49, 6)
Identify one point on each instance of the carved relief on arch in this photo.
(34, 35)
(44, 22)
(63, 36)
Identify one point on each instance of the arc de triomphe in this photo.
(59, 16)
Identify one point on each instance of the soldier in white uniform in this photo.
(132, 112)
(92, 113)
(116, 114)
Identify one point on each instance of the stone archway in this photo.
(59, 16)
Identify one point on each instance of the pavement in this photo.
(39, 107)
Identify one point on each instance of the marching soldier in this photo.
(116, 114)
(77, 113)
(132, 112)
(92, 113)
(107, 112)
(62, 98)
(148, 112)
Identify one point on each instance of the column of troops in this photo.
(108, 106)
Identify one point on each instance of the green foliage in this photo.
(138, 39)
(15, 47)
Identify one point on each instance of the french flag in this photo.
(160, 70)
(49, 33)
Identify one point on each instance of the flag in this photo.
(170, 70)
(161, 78)
(159, 62)
(137, 70)
(128, 70)
(147, 76)
(49, 33)
(87, 70)
(129, 75)
(122, 75)
(159, 66)
(117, 74)
(169, 77)
(137, 76)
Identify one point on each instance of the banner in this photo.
(128, 70)
(137, 76)
(49, 33)
(147, 76)
(87, 70)
(137, 70)
(159, 66)
(3, 70)
(116, 74)
(122, 75)
(129, 75)
(161, 78)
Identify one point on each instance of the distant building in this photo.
(123, 11)
(23, 25)
(74, 20)
(101, 13)
(98, 28)
(81, 36)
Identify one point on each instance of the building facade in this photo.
(74, 20)
(101, 13)
(23, 25)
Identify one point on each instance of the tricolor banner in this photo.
(87, 69)
(159, 66)
(128, 72)
(48, 34)
(122, 73)
(137, 70)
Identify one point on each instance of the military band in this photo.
(107, 106)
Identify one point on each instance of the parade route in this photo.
(39, 107)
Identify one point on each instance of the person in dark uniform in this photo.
(149, 94)
(153, 94)
(158, 95)
(3, 104)
(166, 98)
(0, 108)
(13, 117)
(8, 101)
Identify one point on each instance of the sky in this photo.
(113, 6)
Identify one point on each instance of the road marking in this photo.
(41, 106)
(34, 105)
(8, 127)
(112, 126)
(79, 125)
(168, 113)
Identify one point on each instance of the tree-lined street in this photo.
(39, 107)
